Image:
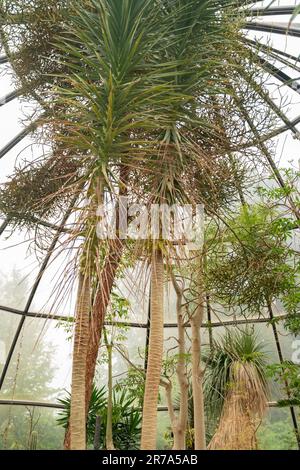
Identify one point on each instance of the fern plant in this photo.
(126, 418)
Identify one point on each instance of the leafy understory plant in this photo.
(287, 375)
(114, 334)
(253, 262)
(126, 418)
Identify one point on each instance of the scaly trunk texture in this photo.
(244, 407)
(106, 281)
(197, 373)
(99, 310)
(81, 338)
(155, 354)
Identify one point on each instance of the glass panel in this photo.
(276, 431)
(20, 425)
(24, 151)
(286, 341)
(40, 368)
(6, 85)
(18, 269)
(57, 291)
(133, 348)
(284, 43)
(134, 286)
(287, 147)
(9, 323)
(10, 119)
(163, 430)
(223, 314)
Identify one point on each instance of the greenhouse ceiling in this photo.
(149, 225)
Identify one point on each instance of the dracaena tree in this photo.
(236, 389)
(147, 98)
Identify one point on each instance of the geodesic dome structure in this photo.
(35, 346)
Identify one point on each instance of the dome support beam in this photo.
(4, 225)
(271, 28)
(273, 11)
(280, 75)
(46, 316)
(275, 53)
(33, 292)
(10, 97)
(18, 138)
(281, 360)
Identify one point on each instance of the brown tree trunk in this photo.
(197, 384)
(106, 281)
(179, 424)
(179, 439)
(109, 432)
(178, 430)
(78, 406)
(197, 373)
(156, 342)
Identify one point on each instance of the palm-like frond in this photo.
(145, 84)
(238, 353)
(126, 417)
(236, 390)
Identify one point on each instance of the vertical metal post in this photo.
(32, 294)
(281, 359)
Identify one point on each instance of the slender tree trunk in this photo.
(179, 439)
(176, 426)
(156, 342)
(97, 435)
(172, 415)
(180, 428)
(179, 423)
(197, 373)
(81, 338)
(106, 281)
(109, 434)
(197, 384)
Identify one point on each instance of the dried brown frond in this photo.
(243, 410)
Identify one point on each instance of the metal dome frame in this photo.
(287, 60)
